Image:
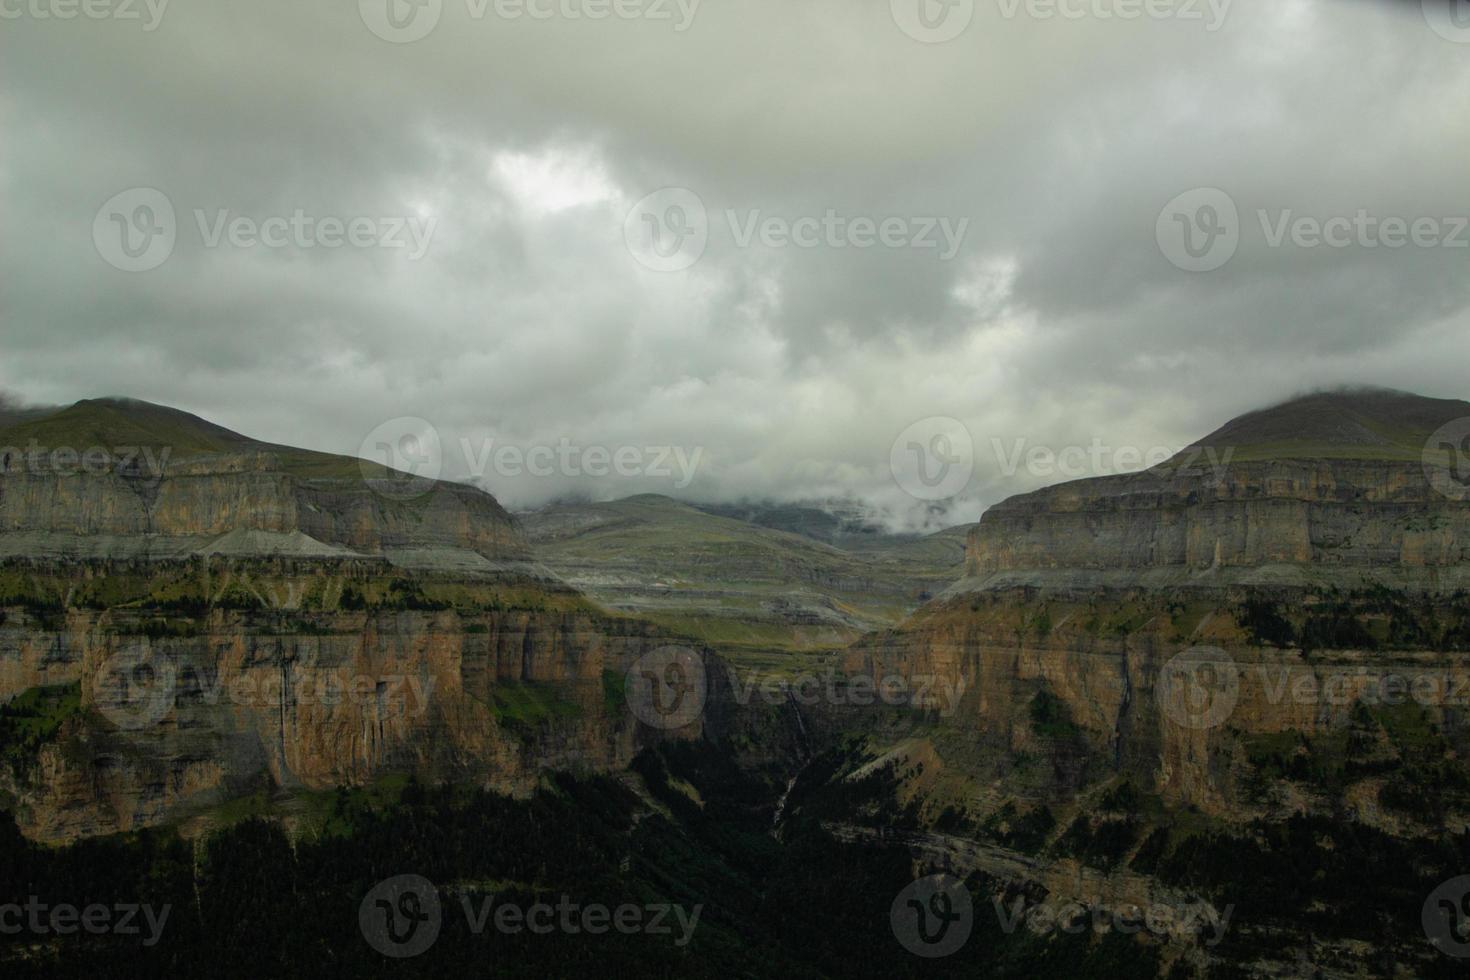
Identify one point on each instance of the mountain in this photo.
(117, 478)
(845, 524)
(739, 586)
(1237, 680)
(1328, 489)
(191, 618)
(1344, 424)
(1225, 696)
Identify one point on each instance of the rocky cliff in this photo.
(189, 616)
(117, 479)
(225, 677)
(1324, 490)
(1139, 670)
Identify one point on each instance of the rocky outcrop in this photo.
(1248, 522)
(120, 479)
(212, 504)
(182, 713)
(1306, 541)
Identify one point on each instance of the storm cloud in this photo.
(370, 224)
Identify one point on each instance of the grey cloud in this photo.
(794, 369)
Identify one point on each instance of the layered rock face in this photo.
(1274, 542)
(1135, 665)
(211, 504)
(1320, 491)
(1178, 523)
(201, 616)
(182, 713)
(112, 479)
(744, 588)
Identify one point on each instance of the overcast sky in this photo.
(1028, 283)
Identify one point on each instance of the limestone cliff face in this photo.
(117, 478)
(1332, 515)
(312, 700)
(1173, 695)
(1206, 626)
(213, 504)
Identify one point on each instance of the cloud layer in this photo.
(523, 143)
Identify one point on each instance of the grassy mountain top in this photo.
(732, 583)
(1361, 423)
(114, 423)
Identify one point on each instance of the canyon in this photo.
(1123, 692)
